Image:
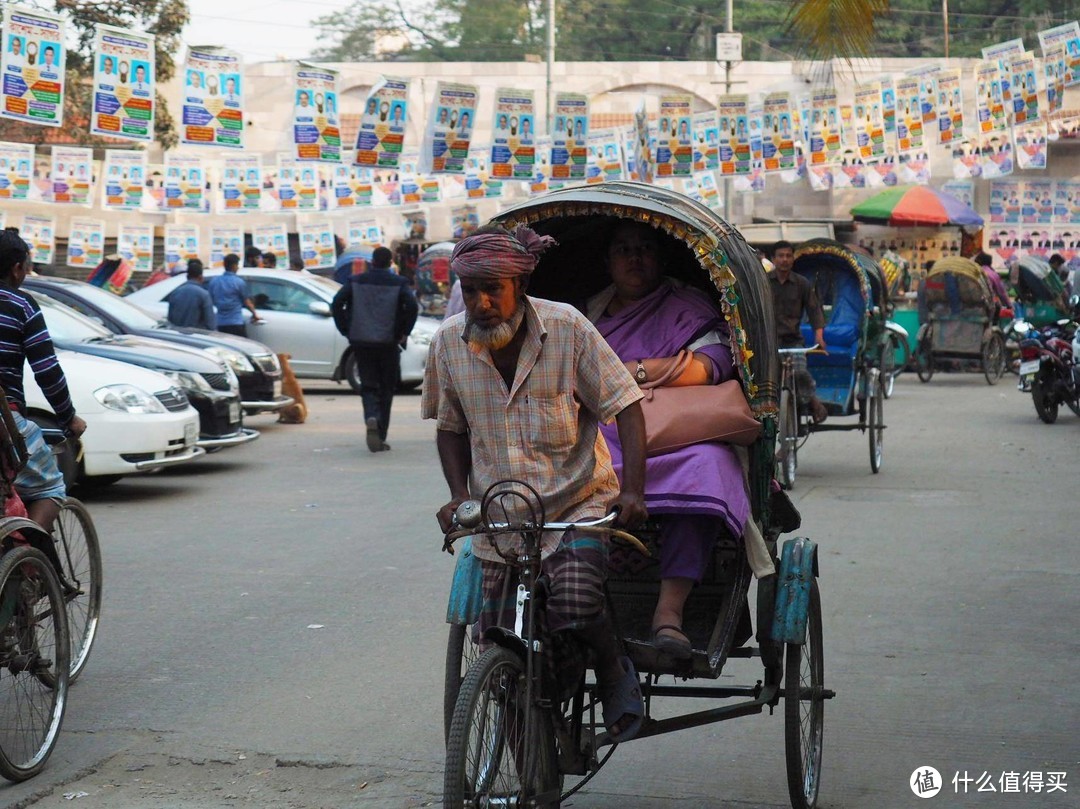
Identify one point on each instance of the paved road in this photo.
(272, 628)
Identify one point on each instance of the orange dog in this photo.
(296, 413)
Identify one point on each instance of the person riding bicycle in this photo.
(24, 338)
(793, 296)
(518, 386)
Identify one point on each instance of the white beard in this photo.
(496, 337)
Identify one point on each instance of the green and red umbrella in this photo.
(916, 205)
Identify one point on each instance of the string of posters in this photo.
(882, 136)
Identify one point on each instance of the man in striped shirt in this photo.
(24, 338)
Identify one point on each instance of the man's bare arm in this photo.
(455, 455)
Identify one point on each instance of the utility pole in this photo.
(945, 18)
(551, 60)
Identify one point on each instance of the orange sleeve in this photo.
(696, 373)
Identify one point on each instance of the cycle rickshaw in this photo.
(1040, 293)
(517, 734)
(852, 376)
(960, 321)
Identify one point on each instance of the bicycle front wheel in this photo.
(80, 563)
(501, 749)
(788, 439)
(804, 709)
(34, 662)
(461, 653)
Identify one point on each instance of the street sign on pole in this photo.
(728, 47)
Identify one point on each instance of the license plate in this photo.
(191, 434)
(1030, 367)
(277, 388)
(234, 412)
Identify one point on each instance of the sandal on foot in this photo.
(623, 698)
(677, 648)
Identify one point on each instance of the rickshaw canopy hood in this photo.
(831, 256)
(1036, 276)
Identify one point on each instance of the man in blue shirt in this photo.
(230, 295)
(190, 304)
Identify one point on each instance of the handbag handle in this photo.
(677, 365)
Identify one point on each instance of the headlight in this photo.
(230, 374)
(128, 399)
(234, 359)
(269, 363)
(189, 381)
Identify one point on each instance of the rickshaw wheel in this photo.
(490, 757)
(924, 363)
(993, 359)
(876, 426)
(804, 709)
(80, 559)
(888, 365)
(461, 653)
(787, 452)
(1045, 406)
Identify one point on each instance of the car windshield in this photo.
(131, 315)
(66, 325)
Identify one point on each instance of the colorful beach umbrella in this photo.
(916, 205)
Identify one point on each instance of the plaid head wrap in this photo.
(499, 255)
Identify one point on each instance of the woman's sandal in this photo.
(677, 648)
(623, 698)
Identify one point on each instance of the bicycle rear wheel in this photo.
(501, 749)
(804, 709)
(80, 562)
(34, 662)
(876, 426)
(788, 439)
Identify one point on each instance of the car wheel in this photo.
(352, 373)
(100, 481)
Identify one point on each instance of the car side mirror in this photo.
(321, 308)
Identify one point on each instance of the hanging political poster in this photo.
(824, 127)
(351, 187)
(86, 242)
(1025, 90)
(225, 240)
(449, 129)
(570, 137)
(950, 106)
(606, 154)
(710, 192)
(706, 142)
(241, 184)
(778, 141)
(32, 67)
(888, 114)
(868, 121)
(734, 144)
(316, 120)
(540, 183)
(927, 78)
(640, 151)
(674, 140)
(363, 231)
(909, 128)
(851, 173)
(124, 183)
(1004, 205)
(754, 114)
(1067, 206)
(16, 170)
(185, 184)
(1031, 146)
(213, 98)
(1055, 67)
(124, 84)
(1037, 206)
(297, 185)
(71, 176)
(39, 233)
(317, 244)
(181, 244)
(135, 243)
(513, 142)
(1066, 36)
(272, 238)
(464, 220)
(381, 136)
(996, 152)
(914, 169)
(431, 190)
(989, 106)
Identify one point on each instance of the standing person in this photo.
(230, 295)
(792, 298)
(269, 260)
(253, 257)
(24, 338)
(376, 310)
(518, 387)
(997, 286)
(190, 304)
(1057, 264)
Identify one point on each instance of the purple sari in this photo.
(705, 478)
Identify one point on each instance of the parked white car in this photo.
(137, 420)
(298, 321)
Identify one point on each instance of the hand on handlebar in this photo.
(76, 427)
(445, 515)
(629, 508)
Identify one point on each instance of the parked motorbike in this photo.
(1048, 369)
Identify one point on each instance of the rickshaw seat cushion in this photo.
(842, 341)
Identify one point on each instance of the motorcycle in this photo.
(1048, 368)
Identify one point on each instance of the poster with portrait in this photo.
(16, 170)
(824, 127)
(464, 220)
(316, 120)
(212, 98)
(297, 185)
(1005, 205)
(185, 184)
(181, 244)
(963, 190)
(225, 239)
(778, 134)
(1030, 146)
(513, 140)
(709, 190)
(241, 184)
(674, 138)
(966, 162)
(1025, 90)
(734, 142)
(363, 231)
(909, 127)
(868, 120)
(1037, 202)
(888, 114)
(124, 182)
(317, 244)
(851, 173)
(1055, 66)
(950, 106)
(431, 189)
(381, 136)
(996, 153)
(71, 176)
(706, 142)
(1067, 203)
(989, 106)
(606, 155)
(39, 233)
(124, 85)
(913, 168)
(135, 243)
(351, 187)
(640, 151)
(928, 95)
(449, 129)
(32, 65)
(570, 137)
(1067, 37)
(272, 238)
(86, 242)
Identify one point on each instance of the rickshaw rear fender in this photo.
(501, 636)
(798, 568)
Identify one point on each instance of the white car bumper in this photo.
(122, 443)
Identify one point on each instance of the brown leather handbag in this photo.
(677, 417)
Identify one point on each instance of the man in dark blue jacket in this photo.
(376, 310)
(190, 303)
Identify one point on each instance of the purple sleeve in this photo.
(723, 364)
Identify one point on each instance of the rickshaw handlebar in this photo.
(603, 525)
(814, 349)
